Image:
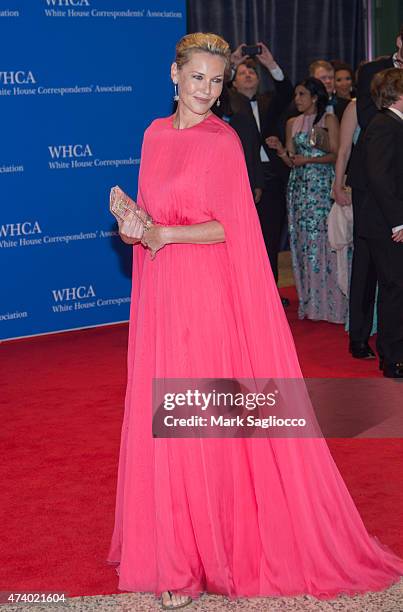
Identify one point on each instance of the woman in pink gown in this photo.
(235, 516)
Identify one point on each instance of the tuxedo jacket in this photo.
(245, 127)
(366, 110)
(271, 106)
(382, 149)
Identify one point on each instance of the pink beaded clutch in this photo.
(123, 207)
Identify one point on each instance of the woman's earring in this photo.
(218, 102)
(176, 97)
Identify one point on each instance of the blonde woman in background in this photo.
(349, 133)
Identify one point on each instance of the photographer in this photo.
(263, 111)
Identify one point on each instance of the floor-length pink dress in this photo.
(241, 517)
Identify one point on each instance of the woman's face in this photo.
(200, 81)
(304, 101)
(343, 83)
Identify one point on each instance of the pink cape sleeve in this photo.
(261, 321)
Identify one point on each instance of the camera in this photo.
(252, 50)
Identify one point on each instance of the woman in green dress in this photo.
(311, 149)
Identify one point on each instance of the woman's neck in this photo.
(184, 118)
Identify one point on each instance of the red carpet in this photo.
(61, 400)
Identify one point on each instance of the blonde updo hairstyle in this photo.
(202, 43)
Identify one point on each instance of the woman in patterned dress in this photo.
(309, 202)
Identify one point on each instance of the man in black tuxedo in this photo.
(363, 274)
(250, 139)
(382, 218)
(264, 111)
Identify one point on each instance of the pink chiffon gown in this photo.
(234, 516)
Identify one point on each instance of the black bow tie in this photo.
(253, 99)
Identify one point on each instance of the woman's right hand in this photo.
(131, 231)
(342, 197)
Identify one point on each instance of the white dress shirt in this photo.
(278, 75)
(396, 62)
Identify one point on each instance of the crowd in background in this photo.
(298, 142)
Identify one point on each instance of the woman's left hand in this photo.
(154, 239)
(300, 160)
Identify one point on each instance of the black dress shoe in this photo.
(393, 370)
(361, 350)
(285, 301)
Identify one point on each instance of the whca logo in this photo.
(71, 294)
(17, 77)
(68, 2)
(25, 228)
(69, 151)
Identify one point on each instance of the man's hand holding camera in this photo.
(259, 51)
(266, 58)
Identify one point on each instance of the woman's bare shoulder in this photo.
(330, 119)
